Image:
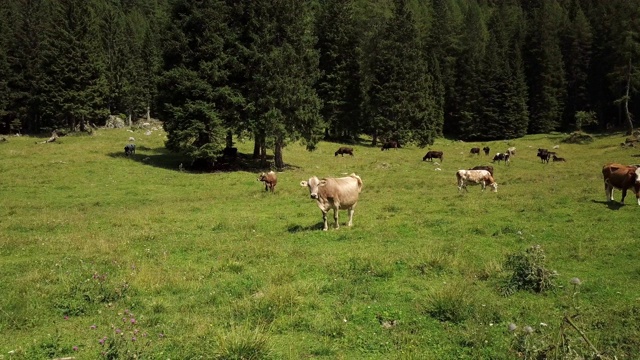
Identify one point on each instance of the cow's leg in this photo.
(324, 219)
(351, 210)
(608, 192)
(335, 217)
(624, 193)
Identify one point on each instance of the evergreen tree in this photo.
(193, 94)
(283, 104)
(340, 86)
(576, 50)
(465, 108)
(27, 24)
(402, 95)
(5, 35)
(545, 72)
(504, 94)
(74, 77)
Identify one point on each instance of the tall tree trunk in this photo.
(229, 139)
(257, 145)
(278, 154)
(626, 101)
(148, 113)
(374, 140)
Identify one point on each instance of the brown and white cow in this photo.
(335, 193)
(489, 168)
(621, 177)
(344, 150)
(475, 177)
(270, 180)
(502, 157)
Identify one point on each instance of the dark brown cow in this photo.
(270, 180)
(335, 193)
(489, 168)
(344, 150)
(558, 159)
(430, 155)
(486, 150)
(390, 145)
(621, 177)
(544, 155)
(475, 150)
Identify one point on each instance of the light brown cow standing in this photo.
(335, 193)
(621, 177)
(270, 180)
(475, 177)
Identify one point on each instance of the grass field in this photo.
(103, 255)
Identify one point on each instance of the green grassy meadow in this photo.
(104, 256)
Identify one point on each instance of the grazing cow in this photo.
(475, 177)
(558, 159)
(344, 150)
(502, 157)
(130, 149)
(544, 155)
(489, 168)
(621, 177)
(430, 155)
(475, 150)
(486, 150)
(390, 145)
(270, 180)
(335, 193)
(511, 151)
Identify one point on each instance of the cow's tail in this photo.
(353, 175)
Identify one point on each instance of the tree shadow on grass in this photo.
(612, 205)
(165, 159)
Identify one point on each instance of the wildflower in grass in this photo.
(528, 329)
(101, 341)
(118, 331)
(575, 281)
(93, 327)
(66, 317)
(133, 339)
(512, 327)
(161, 335)
(133, 320)
(75, 348)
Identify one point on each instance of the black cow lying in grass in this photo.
(130, 149)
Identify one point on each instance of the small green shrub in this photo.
(451, 304)
(241, 343)
(578, 137)
(529, 272)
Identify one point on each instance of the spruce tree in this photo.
(545, 71)
(193, 91)
(340, 86)
(402, 96)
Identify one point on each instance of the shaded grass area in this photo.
(210, 265)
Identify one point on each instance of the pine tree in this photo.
(576, 50)
(193, 94)
(504, 94)
(545, 72)
(5, 35)
(283, 104)
(402, 95)
(340, 86)
(465, 109)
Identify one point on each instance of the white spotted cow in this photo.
(621, 177)
(475, 177)
(335, 193)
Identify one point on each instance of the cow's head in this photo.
(313, 184)
(494, 186)
(262, 177)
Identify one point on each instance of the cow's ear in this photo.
(322, 182)
(303, 183)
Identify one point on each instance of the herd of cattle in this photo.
(342, 193)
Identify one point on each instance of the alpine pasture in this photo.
(108, 256)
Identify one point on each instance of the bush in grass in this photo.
(242, 343)
(452, 304)
(578, 137)
(529, 272)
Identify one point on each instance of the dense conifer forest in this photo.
(278, 71)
